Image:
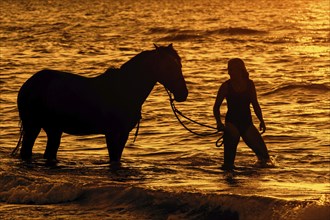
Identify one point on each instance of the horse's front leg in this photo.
(115, 143)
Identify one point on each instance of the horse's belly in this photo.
(91, 122)
(79, 122)
(87, 111)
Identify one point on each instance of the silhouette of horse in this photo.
(108, 104)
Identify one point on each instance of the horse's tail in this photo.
(19, 143)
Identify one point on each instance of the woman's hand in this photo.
(262, 127)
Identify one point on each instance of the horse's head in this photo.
(169, 73)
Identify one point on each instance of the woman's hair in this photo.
(237, 66)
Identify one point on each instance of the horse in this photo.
(110, 104)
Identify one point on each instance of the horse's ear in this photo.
(156, 46)
(170, 46)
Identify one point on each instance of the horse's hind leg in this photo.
(29, 137)
(53, 143)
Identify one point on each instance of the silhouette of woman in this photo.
(240, 92)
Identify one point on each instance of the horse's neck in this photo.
(137, 78)
(136, 85)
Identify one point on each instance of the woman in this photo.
(240, 92)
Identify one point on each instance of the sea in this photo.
(168, 172)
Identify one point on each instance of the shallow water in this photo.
(168, 172)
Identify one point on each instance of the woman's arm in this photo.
(218, 101)
(256, 107)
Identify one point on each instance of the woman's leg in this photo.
(230, 140)
(254, 140)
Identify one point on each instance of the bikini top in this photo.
(239, 102)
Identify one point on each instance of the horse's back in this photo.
(33, 94)
(43, 78)
(74, 103)
(38, 84)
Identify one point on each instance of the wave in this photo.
(236, 31)
(180, 37)
(23, 190)
(162, 30)
(302, 87)
(175, 34)
(165, 204)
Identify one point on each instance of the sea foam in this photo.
(22, 190)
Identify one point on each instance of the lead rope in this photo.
(176, 112)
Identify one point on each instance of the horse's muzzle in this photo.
(182, 96)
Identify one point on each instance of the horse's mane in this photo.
(132, 62)
(141, 59)
(111, 70)
(169, 50)
(129, 66)
(109, 73)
